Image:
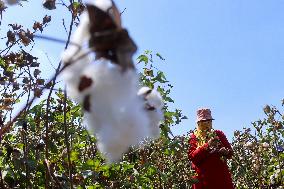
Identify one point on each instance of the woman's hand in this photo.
(214, 143)
(224, 151)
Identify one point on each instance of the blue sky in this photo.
(223, 54)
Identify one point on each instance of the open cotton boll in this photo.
(116, 116)
(151, 96)
(154, 104)
(154, 99)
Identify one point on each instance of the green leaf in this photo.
(151, 170)
(143, 58)
(2, 63)
(169, 99)
(90, 162)
(158, 55)
(74, 156)
(161, 77)
(76, 4)
(10, 69)
(94, 186)
(148, 52)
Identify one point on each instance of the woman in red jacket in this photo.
(208, 151)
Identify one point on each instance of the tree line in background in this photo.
(47, 146)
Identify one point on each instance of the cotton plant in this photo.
(259, 153)
(106, 83)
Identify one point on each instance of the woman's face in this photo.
(204, 125)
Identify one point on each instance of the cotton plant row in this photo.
(117, 110)
(259, 154)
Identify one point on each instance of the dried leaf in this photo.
(15, 26)
(37, 25)
(11, 37)
(46, 19)
(24, 39)
(36, 72)
(49, 4)
(40, 81)
(37, 92)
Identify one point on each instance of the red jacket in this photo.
(212, 171)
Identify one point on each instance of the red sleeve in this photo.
(225, 143)
(197, 155)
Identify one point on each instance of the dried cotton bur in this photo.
(49, 4)
(107, 84)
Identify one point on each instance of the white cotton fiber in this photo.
(79, 37)
(102, 4)
(114, 112)
(143, 91)
(119, 118)
(73, 52)
(153, 98)
(129, 130)
(155, 117)
(72, 76)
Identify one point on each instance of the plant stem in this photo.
(278, 156)
(66, 138)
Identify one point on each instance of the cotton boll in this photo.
(154, 104)
(112, 110)
(154, 99)
(116, 116)
(265, 145)
(248, 144)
